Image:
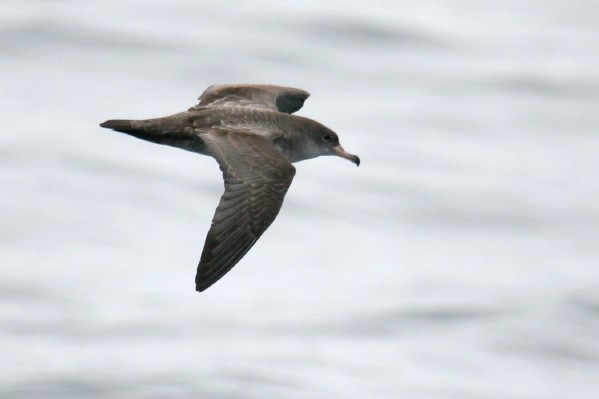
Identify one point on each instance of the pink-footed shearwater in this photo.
(251, 133)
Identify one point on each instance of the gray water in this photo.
(461, 260)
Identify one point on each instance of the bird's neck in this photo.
(294, 138)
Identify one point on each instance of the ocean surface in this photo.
(460, 260)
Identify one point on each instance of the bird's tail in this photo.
(120, 125)
(171, 131)
(160, 130)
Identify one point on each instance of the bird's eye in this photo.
(326, 137)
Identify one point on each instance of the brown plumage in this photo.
(248, 129)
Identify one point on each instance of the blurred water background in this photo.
(461, 260)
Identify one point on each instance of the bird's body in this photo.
(251, 133)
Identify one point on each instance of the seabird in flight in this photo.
(249, 130)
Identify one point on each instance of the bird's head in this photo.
(326, 142)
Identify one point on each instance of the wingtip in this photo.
(201, 288)
(203, 283)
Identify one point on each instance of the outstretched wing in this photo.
(256, 178)
(266, 97)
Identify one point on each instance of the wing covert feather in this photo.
(265, 97)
